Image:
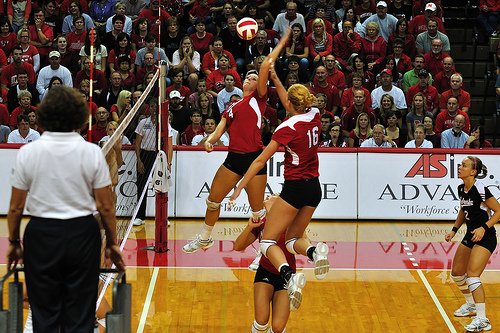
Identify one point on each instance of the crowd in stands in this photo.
(382, 72)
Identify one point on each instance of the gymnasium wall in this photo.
(400, 184)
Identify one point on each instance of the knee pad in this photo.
(259, 214)
(265, 244)
(257, 328)
(212, 205)
(461, 282)
(474, 283)
(289, 245)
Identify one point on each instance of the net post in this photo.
(89, 135)
(161, 203)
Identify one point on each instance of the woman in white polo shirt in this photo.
(62, 242)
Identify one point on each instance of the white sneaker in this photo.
(168, 224)
(321, 263)
(138, 222)
(255, 263)
(466, 310)
(197, 244)
(294, 287)
(28, 327)
(478, 325)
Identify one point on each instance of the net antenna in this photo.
(89, 133)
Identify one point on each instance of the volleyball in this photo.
(247, 28)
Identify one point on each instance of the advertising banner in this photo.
(408, 186)
(196, 169)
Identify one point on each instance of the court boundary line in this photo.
(312, 268)
(436, 301)
(147, 302)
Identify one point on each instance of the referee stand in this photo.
(118, 320)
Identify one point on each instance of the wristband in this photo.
(15, 242)
(485, 227)
(454, 229)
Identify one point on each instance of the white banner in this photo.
(415, 186)
(196, 169)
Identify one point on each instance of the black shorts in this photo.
(303, 192)
(274, 280)
(489, 241)
(239, 163)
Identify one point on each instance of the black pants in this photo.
(61, 261)
(148, 159)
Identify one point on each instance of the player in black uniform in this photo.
(473, 253)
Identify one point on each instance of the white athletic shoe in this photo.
(466, 310)
(197, 244)
(255, 263)
(294, 287)
(321, 263)
(478, 325)
(168, 224)
(28, 327)
(138, 222)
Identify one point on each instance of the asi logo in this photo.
(430, 166)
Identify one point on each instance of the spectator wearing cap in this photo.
(180, 113)
(434, 58)
(431, 94)
(424, 39)
(386, 22)
(419, 8)
(419, 23)
(411, 77)
(456, 90)
(489, 16)
(54, 69)
(388, 88)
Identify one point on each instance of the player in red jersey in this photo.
(301, 192)
(243, 122)
(269, 286)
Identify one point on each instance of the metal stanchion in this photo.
(11, 320)
(118, 320)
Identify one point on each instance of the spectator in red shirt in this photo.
(322, 86)
(404, 62)
(373, 47)
(9, 72)
(210, 59)
(442, 81)
(444, 119)
(201, 10)
(334, 76)
(434, 59)
(42, 35)
(346, 43)
(184, 91)
(195, 128)
(402, 31)
(319, 42)
(477, 139)
(348, 95)
(431, 94)
(419, 23)
(154, 19)
(8, 38)
(350, 115)
(99, 129)
(489, 16)
(457, 91)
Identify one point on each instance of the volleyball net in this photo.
(131, 158)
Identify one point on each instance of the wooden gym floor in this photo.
(384, 277)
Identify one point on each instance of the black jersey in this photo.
(472, 204)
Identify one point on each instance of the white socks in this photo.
(206, 231)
